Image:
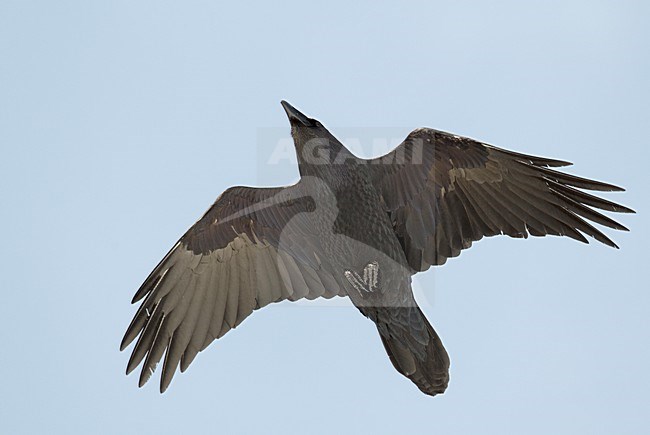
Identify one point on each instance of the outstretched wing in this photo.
(252, 247)
(444, 191)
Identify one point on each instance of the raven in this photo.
(357, 228)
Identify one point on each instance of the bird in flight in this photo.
(355, 228)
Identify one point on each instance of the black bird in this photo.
(357, 228)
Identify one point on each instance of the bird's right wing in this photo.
(254, 246)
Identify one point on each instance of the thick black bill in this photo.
(294, 114)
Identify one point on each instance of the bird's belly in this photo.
(357, 239)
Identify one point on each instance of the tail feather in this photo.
(414, 348)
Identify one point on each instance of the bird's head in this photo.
(315, 145)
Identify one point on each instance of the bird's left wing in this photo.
(254, 246)
(443, 192)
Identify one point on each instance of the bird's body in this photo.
(356, 228)
(352, 225)
(355, 234)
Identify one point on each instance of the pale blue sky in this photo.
(120, 122)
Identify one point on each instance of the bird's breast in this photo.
(353, 228)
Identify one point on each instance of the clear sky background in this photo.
(121, 122)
